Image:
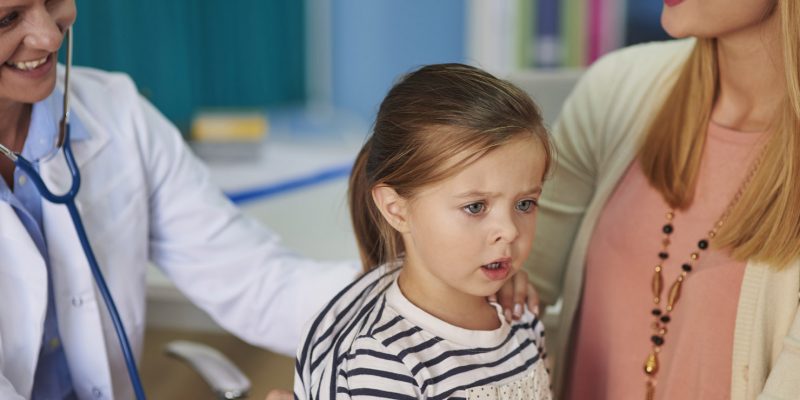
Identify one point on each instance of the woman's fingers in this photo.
(533, 300)
(279, 394)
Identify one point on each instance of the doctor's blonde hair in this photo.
(427, 118)
(764, 224)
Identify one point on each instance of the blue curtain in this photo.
(375, 41)
(190, 54)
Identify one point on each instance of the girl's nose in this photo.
(506, 230)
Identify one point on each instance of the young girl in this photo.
(443, 199)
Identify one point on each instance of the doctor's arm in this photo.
(228, 264)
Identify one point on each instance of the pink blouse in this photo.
(612, 335)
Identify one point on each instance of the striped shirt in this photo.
(370, 342)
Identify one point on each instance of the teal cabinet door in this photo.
(190, 54)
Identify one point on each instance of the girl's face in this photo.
(713, 18)
(471, 232)
(31, 32)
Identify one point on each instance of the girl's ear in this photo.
(393, 207)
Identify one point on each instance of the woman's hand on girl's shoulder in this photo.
(279, 394)
(515, 294)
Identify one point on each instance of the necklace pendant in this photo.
(651, 364)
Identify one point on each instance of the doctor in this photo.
(144, 197)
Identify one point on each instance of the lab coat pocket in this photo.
(107, 209)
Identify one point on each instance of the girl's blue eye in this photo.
(474, 208)
(525, 205)
(8, 19)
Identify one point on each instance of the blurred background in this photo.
(190, 55)
(278, 95)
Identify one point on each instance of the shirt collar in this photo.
(43, 128)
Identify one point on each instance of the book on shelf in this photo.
(575, 33)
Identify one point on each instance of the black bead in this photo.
(703, 244)
(665, 319)
(657, 340)
(686, 267)
(663, 255)
(656, 312)
(667, 229)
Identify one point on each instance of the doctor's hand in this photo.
(514, 294)
(279, 394)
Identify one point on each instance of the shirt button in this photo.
(77, 301)
(22, 179)
(97, 393)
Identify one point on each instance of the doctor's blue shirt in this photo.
(52, 379)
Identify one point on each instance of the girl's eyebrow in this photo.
(477, 193)
(15, 5)
(534, 190)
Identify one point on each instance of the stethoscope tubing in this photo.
(68, 199)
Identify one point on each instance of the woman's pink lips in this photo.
(672, 3)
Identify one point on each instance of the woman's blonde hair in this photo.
(427, 118)
(764, 224)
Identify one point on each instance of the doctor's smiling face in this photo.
(31, 32)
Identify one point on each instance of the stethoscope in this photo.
(68, 199)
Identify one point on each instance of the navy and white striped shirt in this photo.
(370, 342)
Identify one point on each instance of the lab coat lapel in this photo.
(23, 295)
(82, 120)
(78, 302)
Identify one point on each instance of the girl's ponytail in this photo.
(366, 218)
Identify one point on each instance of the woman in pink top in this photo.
(671, 227)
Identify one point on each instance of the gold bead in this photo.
(651, 364)
(695, 256)
(674, 294)
(670, 215)
(666, 242)
(657, 284)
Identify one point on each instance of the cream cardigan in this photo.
(596, 137)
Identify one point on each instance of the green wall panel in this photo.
(190, 54)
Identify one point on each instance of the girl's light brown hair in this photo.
(764, 224)
(430, 116)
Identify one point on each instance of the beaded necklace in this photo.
(663, 317)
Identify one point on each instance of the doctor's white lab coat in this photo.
(143, 197)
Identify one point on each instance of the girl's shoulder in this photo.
(531, 327)
(332, 331)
